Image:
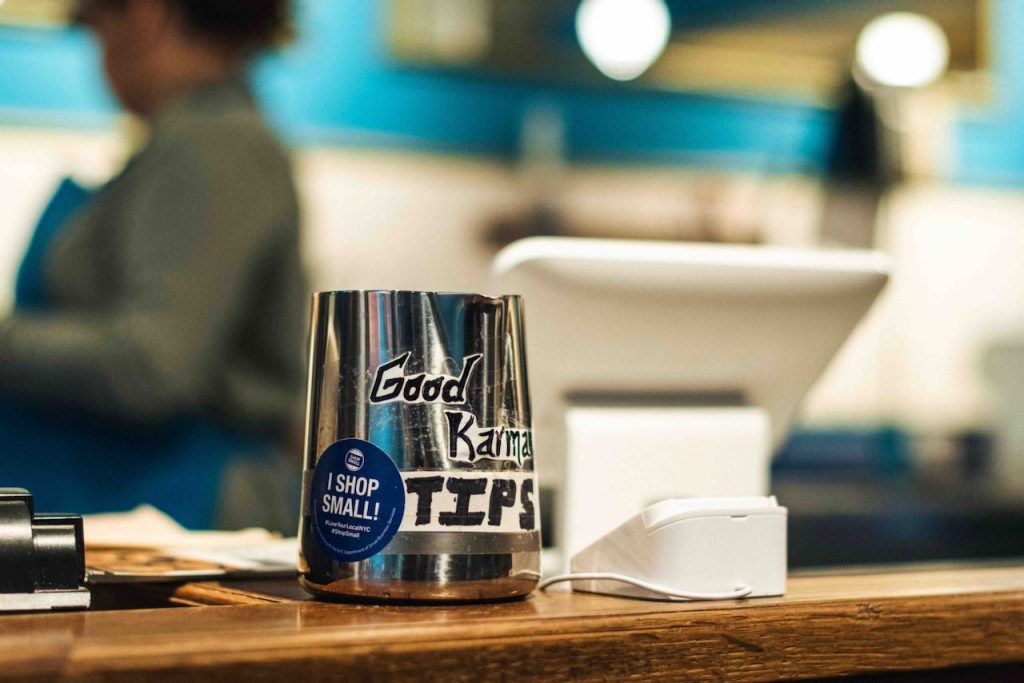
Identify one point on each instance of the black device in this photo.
(42, 557)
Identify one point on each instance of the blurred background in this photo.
(427, 134)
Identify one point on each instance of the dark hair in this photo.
(249, 25)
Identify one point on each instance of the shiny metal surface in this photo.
(355, 333)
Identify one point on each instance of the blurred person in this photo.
(857, 174)
(159, 321)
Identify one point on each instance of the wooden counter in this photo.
(826, 625)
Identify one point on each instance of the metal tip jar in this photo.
(418, 480)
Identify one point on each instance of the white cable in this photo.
(740, 591)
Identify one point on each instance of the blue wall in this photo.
(990, 136)
(338, 85)
(50, 77)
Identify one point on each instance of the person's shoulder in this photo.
(237, 137)
(231, 158)
(223, 124)
(234, 150)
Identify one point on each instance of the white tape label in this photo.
(496, 502)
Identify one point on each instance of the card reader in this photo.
(689, 549)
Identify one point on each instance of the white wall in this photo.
(31, 164)
(398, 221)
(957, 288)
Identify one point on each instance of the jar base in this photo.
(355, 590)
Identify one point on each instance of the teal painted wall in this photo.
(990, 137)
(50, 77)
(338, 85)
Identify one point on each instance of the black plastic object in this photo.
(42, 557)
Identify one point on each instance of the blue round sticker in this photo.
(358, 500)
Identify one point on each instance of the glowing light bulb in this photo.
(903, 50)
(623, 38)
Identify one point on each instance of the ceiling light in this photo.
(903, 50)
(623, 38)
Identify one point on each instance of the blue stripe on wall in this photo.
(50, 71)
(990, 137)
(341, 79)
(338, 85)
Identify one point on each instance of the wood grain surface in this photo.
(828, 625)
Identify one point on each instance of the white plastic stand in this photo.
(622, 459)
(638, 325)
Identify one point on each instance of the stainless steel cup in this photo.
(419, 467)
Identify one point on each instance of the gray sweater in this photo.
(178, 290)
